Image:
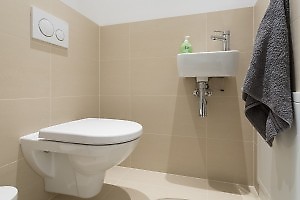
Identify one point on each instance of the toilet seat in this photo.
(93, 131)
(8, 193)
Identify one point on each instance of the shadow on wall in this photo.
(218, 147)
(48, 48)
(229, 188)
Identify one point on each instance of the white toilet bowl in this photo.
(8, 193)
(73, 157)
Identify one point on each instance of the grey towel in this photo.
(267, 88)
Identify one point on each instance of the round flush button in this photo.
(60, 35)
(46, 27)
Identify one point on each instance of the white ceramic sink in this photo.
(208, 64)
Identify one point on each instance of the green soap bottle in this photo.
(186, 46)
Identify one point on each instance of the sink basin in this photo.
(208, 64)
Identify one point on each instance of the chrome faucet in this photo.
(223, 36)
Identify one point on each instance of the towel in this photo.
(267, 87)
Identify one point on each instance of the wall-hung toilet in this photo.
(8, 193)
(72, 157)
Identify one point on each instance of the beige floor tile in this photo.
(134, 184)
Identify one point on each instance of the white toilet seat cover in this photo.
(93, 131)
(8, 192)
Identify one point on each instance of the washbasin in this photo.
(208, 64)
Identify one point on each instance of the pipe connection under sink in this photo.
(202, 91)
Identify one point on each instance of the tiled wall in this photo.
(139, 81)
(41, 85)
(295, 26)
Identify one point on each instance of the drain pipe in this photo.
(202, 91)
(202, 86)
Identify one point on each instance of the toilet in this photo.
(72, 157)
(8, 193)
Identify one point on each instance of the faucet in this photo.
(223, 36)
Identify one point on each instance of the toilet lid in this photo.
(8, 192)
(94, 131)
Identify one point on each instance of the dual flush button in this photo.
(47, 29)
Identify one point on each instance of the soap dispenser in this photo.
(186, 46)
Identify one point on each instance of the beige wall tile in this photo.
(115, 43)
(186, 86)
(18, 13)
(226, 119)
(244, 63)
(126, 162)
(8, 174)
(248, 131)
(187, 156)
(155, 76)
(25, 68)
(294, 9)
(230, 161)
(115, 77)
(238, 21)
(72, 108)
(76, 77)
(295, 28)
(18, 118)
(220, 108)
(225, 86)
(149, 158)
(163, 37)
(84, 45)
(186, 121)
(259, 11)
(115, 107)
(155, 113)
(30, 185)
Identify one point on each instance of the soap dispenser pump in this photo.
(186, 46)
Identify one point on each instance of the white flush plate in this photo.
(48, 28)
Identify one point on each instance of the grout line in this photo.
(20, 99)
(99, 81)
(6, 165)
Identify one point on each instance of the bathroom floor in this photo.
(133, 184)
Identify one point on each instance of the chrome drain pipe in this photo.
(202, 92)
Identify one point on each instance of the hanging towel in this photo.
(267, 88)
